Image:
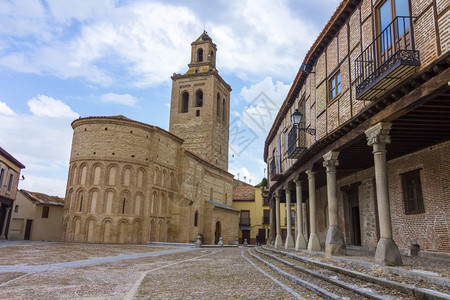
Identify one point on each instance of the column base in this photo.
(334, 244)
(289, 242)
(387, 253)
(300, 243)
(278, 242)
(313, 243)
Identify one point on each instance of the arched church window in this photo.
(196, 218)
(199, 98)
(184, 102)
(224, 113)
(200, 55)
(218, 104)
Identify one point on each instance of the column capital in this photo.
(310, 174)
(287, 188)
(298, 182)
(379, 134)
(330, 160)
(277, 196)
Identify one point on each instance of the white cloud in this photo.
(44, 106)
(41, 140)
(263, 102)
(125, 99)
(6, 110)
(262, 38)
(142, 43)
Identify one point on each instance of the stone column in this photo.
(272, 222)
(5, 221)
(387, 251)
(278, 239)
(334, 243)
(313, 243)
(289, 240)
(300, 241)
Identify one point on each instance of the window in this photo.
(334, 86)
(266, 216)
(200, 55)
(412, 192)
(16, 209)
(2, 174)
(199, 99)
(184, 102)
(224, 112)
(10, 182)
(387, 11)
(197, 113)
(218, 105)
(245, 218)
(45, 211)
(196, 218)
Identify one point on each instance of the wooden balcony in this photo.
(389, 59)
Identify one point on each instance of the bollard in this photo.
(220, 243)
(198, 243)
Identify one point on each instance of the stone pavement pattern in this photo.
(158, 273)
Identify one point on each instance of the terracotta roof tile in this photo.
(43, 199)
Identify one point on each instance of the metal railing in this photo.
(296, 141)
(395, 43)
(275, 169)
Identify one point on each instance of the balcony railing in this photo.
(390, 58)
(275, 169)
(295, 141)
(244, 222)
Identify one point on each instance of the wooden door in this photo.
(28, 230)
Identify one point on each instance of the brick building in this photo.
(9, 179)
(369, 155)
(131, 182)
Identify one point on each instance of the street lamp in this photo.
(296, 119)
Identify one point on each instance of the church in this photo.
(131, 182)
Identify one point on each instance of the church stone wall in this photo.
(131, 183)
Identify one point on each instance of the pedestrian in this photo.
(257, 240)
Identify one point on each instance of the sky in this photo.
(61, 60)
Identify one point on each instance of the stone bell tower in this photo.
(200, 105)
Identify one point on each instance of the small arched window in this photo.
(184, 102)
(199, 98)
(223, 110)
(200, 55)
(196, 218)
(218, 104)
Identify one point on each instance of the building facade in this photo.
(36, 217)
(368, 158)
(131, 182)
(9, 180)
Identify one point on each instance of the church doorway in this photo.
(218, 233)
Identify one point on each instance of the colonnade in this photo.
(387, 251)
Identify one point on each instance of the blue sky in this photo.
(60, 60)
